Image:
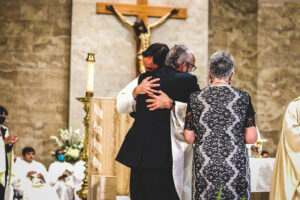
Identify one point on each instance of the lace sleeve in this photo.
(250, 115)
(189, 125)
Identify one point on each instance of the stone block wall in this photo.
(278, 65)
(233, 28)
(34, 70)
(263, 36)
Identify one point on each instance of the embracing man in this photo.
(147, 146)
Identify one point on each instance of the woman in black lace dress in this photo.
(220, 121)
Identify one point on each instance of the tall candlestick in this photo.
(90, 66)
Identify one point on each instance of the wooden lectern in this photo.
(107, 178)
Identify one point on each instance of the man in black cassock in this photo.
(147, 146)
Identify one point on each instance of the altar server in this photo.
(34, 178)
(61, 177)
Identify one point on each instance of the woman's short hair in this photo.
(158, 51)
(221, 64)
(178, 55)
(27, 150)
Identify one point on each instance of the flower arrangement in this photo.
(71, 142)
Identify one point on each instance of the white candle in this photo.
(90, 67)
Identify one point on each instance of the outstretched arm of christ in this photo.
(163, 18)
(119, 15)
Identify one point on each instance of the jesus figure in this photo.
(142, 32)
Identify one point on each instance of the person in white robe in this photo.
(61, 177)
(34, 178)
(181, 151)
(14, 188)
(6, 155)
(78, 177)
(285, 184)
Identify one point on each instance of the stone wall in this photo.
(34, 70)
(264, 38)
(278, 65)
(233, 28)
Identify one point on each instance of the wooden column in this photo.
(107, 131)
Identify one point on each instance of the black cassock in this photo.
(8, 148)
(147, 146)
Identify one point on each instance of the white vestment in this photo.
(15, 183)
(2, 159)
(64, 188)
(285, 183)
(34, 188)
(182, 152)
(10, 177)
(78, 176)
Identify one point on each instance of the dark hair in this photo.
(158, 51)
(3, 110)
(136, 26)
(56, 152)
(263, 152)
(27, 150)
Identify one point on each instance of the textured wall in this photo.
(278, 65)
(34, 70)
(115, 47)
(233, 27)
(264, 38)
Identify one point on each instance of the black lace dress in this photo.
(219, 116)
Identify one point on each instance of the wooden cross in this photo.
(141, 10)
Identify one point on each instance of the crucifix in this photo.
(142, 10)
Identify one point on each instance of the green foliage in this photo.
(220, 192)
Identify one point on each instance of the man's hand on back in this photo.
(160, 101)
(145, 86)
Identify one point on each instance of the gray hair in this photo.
(221, 64)
(178, 55)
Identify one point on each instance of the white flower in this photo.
(74, 153)
(58, 142)
(71, 142)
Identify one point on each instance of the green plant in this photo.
(220, 192)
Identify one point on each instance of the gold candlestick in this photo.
(84, 155)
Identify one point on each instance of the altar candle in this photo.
(90, 66)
